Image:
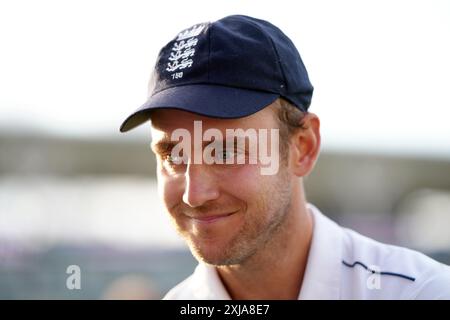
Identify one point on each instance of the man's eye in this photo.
(173, 160)
(226, 154)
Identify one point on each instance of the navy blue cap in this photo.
(230, 68)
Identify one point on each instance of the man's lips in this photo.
(211, 217)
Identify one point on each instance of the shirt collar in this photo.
(207, 284)
(322, 274)
(323, 270)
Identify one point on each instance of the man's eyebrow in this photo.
(238, 139)
(166, 145)
(162, 146)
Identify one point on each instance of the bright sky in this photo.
(381, 69)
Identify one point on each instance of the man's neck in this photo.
(275, 272)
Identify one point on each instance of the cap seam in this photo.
(209, 49)
(274, 50)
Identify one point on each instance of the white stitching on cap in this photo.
(183, 50)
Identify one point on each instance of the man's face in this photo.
(226, 212)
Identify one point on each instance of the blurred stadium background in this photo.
(93, 203)
(73, 191)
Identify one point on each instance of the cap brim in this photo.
(204, 99)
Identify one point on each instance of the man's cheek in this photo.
(246, 179)
(160, 183)
(165, 185)
(170, 192)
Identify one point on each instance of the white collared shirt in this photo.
(343, 264)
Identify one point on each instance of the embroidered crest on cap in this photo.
(183, 51)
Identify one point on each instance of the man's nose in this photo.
(200, 186)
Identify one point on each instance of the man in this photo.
(224, 91)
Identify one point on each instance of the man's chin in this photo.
(212, 254)
(217, 255)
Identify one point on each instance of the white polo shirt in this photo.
(343, 264)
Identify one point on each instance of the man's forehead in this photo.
(163, 119)
(168, 120)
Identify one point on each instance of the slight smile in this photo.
(212, 218)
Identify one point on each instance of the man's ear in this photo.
(305, 146)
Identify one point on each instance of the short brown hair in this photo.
(290, 119)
